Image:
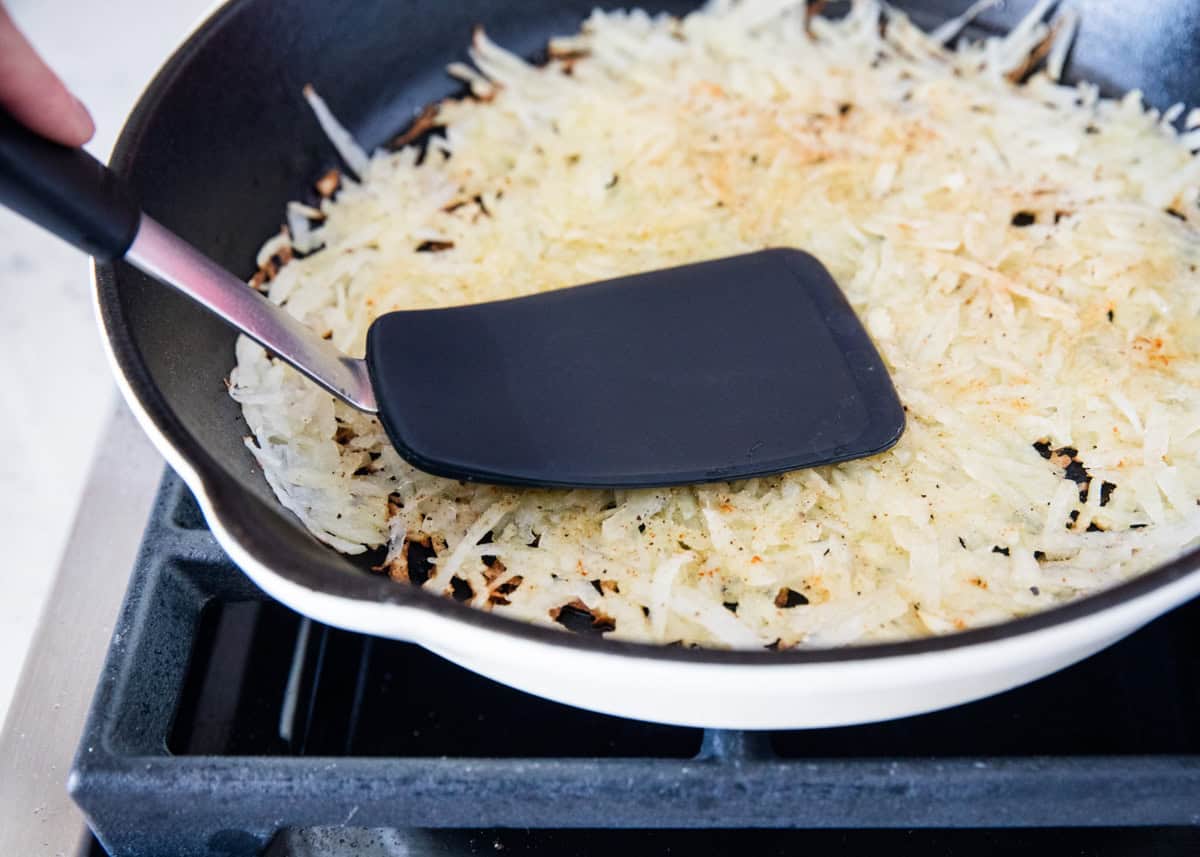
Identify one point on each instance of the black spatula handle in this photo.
(66, 191)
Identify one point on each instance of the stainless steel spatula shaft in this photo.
(168, 258)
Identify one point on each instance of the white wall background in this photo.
(55, 388)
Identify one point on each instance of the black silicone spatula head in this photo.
(721, 370)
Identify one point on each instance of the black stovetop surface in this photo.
(226, 724)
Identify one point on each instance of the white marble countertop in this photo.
(55, 387)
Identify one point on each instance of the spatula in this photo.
(720, 370)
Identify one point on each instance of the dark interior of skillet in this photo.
(223, 139)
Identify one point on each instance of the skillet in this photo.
(221, 139)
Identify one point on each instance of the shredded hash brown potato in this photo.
(1024, 254)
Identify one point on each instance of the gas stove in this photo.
(225, 724)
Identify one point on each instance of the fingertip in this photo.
(34, 95)
(70, 124)
(83, 127)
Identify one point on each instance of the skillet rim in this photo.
(214, 488)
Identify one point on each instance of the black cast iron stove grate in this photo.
(225, 724)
